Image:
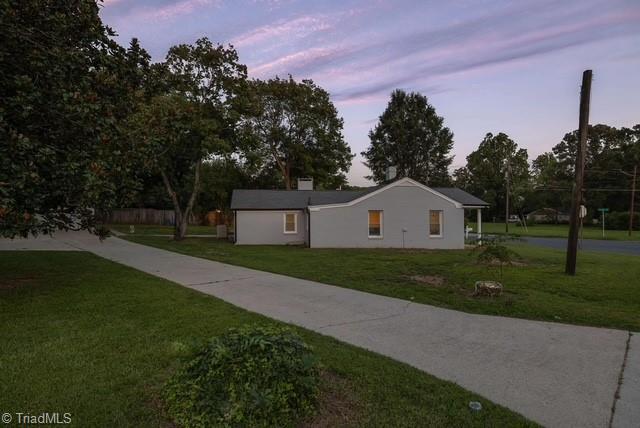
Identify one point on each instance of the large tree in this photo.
(611, 156)
(66, 88)
(487, 169)
(412, 137)
(294, 128)
(193, 121)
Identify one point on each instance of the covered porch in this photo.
(478, 230)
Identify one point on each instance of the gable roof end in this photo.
(398, 182)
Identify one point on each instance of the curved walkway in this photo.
(555, 374)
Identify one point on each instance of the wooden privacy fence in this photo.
(144, 216)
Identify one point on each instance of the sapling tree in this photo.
(492, 252)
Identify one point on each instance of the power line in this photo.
(586, 189)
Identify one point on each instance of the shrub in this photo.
(620, 220)
(253, 376)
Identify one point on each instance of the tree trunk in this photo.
(192, 199)
(287, 178)
(176, 206)
(285, 168)
(182, 216)
(179, 228)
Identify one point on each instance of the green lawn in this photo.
(96, 339)
(151, 229)
(557, 231)
(605, 292)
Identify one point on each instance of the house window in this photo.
(375, 224)
(290, 223)
(435, 223)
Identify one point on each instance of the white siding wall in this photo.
(267, 228)
(404, 207)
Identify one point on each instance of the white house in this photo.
(401, 214)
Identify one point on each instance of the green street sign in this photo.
(603, 210)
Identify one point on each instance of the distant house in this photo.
(401, 214)
(547, 215)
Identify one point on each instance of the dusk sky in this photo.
(486, 66)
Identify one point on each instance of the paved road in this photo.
(599, 245)
(555, 374)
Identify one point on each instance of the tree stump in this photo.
(487, 288)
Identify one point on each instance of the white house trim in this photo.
(381, 236)
(295, 223)
(401, 182)
(440, 224)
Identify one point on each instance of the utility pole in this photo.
(633, 194)
(576, 201)
(506, 211)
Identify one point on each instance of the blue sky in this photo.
(486, 66)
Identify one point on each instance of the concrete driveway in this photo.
(555, 374)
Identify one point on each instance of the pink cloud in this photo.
(289, 63)
(362, 100)
(272, 4)
(180, 8)
(299, 27)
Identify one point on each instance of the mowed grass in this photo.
(151, 229)
(605, 292)
(96, 339)
(557, 231)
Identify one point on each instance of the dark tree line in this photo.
(87, 125)
(612, 154)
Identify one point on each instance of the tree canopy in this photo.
(487, 168)
(191, 122)
(412, 137)
(294, 128)
(66, 87)
(611, 156)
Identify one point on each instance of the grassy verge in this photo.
(605, 292)
(557, 231)
(98, 340)
(151, 229)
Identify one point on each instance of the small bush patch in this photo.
(253, 376)
(433, 280)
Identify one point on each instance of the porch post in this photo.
(479, 223)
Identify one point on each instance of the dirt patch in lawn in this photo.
(15, 283)
(514, 263)
(337, 406)
(432, 280)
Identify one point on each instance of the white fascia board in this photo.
(396, 183)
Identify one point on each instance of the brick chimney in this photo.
(305, 183)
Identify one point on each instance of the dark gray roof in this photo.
(466, 199)
(244, 199)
